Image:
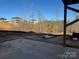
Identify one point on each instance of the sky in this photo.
(49, 9)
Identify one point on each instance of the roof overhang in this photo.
(69, 2)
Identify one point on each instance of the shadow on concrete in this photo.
(42, 37)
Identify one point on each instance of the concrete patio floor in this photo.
(30, 49)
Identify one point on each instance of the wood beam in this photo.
(72, 22)
(69, 2)
(73, 9)
(64, 28)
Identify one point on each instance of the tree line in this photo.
(43, 25)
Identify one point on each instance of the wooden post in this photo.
(64, 30)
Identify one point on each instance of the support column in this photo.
(64, 30)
